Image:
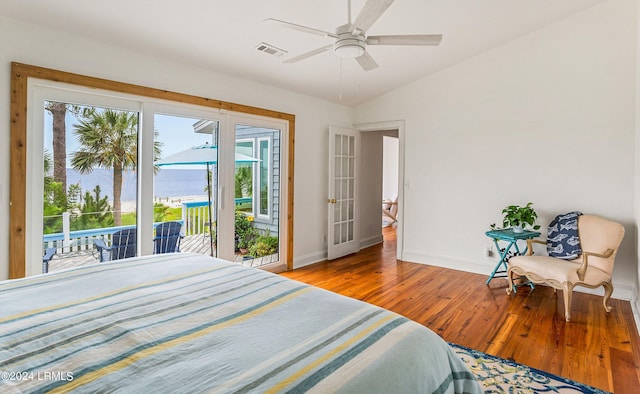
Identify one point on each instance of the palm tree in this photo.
(59, 111)
(109, 139)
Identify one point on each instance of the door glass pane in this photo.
(185, 184)
(245, 175)
(345, 189)
(265, 189)
(257, 185)
(345, 167)
(345, 211)
(90, 184)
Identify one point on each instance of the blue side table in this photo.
(512, 238)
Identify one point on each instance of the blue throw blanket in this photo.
(562, 238)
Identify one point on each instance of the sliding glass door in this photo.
(257, 191)
(121, 177)
(185, 189)
(86, 167)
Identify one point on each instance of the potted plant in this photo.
(245, 233)
(517, 218)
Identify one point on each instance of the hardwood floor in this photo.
(597, 348)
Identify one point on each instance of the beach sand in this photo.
(172, 202)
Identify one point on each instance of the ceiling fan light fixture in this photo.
(349, 46)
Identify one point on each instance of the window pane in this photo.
(184, 210)
(264, 177)
(244, 177)
(257, 217)
(90, 185)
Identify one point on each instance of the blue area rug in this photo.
(497, 375)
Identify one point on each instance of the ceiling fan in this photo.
(351, 39)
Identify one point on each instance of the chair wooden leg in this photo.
(567, 293)
(608, 291)
(510, 280)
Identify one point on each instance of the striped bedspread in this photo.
(189, 323)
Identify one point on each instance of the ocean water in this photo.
(166, 183)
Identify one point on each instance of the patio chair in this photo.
(48, 255)
(123, 245)
(167, 238)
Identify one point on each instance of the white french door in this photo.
(343, 223)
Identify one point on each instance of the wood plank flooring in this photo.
(596, 348)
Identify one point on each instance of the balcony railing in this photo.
(195, 220)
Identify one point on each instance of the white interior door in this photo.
(343, 229)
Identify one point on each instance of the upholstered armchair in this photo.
(599, 240)
(390, 208)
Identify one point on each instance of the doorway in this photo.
(371, 204)
(390, 179)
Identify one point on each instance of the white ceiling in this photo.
(222, 35)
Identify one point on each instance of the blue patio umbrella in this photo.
(202, 154)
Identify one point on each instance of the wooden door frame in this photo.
(20, 74)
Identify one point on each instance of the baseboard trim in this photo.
(620, 292)
(446, 262)
(312, 258)
(635, 309)
(376, 239)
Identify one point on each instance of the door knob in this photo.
(331, 201)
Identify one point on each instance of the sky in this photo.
(175, 133)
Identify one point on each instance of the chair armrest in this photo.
(48, 254)
(530, 243)
(585, 261)
(101, 247)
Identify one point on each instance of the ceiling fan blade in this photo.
(366, 62)
(301, 28)
(407, 39)
(309, 54)
(370, 13)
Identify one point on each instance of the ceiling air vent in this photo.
(270, 49)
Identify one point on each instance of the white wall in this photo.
(636, 298)
(390, 152)
(370, 188)
(547, 118)
(31, 44)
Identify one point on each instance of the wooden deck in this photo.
(192, 243)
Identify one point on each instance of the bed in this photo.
(191, 323)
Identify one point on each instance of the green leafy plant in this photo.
(264, 245)
(517, 216)
(245, 233)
